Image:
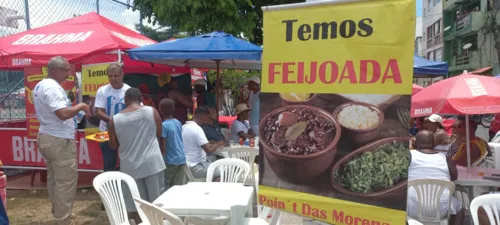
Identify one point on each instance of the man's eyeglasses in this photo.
(63, 69)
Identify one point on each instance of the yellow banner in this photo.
(94, 76)
(330, 210)
(363, 47)
(40, 77)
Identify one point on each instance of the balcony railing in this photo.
(469, 23)
(438, 39)
(462, 60)
(463, 22)
(430, 42)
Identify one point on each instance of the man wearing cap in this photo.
(241, 127)
(204, 98)
(254, 86)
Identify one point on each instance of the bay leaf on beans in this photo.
(294, 131)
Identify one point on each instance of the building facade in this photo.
(432, 29)
(468, 42)
(419, 44)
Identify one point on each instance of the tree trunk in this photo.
(494, 27)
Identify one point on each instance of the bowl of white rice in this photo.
(361, 120)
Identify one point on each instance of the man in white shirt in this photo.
(254, 86)
(108, 102)
(56, 138)
(196, 144)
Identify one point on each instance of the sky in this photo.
(419, 8)
(44, 12)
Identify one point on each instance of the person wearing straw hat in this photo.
(241, 127)
(204, 98)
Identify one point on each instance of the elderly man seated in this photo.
(213, 133)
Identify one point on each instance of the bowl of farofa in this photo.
(374, 170)
(299, 141)
(297, 98)
(361, 121)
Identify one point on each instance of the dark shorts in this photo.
(109, 157)
(175, 175)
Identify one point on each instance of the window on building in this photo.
(430, 32)
(429, 5)
(436, 2)
(438, 54)
(437, 27)
(430, 55)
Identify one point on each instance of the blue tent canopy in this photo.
(424, 67)
(202, 51)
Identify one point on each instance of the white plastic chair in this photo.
(157, 215)
(495, 150)
(490, 204)
(429, 193)
(225, 133)
(190, 175)
(109, 187)
(231, 170)
(414, 222)
(479, 161)
(248, 155)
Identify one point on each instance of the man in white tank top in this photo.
(427, 163)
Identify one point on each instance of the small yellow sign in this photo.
(94, 76)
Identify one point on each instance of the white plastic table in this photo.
(223, 152)
(471, 177)
(232, 200)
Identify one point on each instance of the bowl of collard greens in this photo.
(374, 169)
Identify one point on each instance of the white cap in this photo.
(435, 118)
(254, 79)
(200, 82)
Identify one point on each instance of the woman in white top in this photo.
(240, 128)
(426, 163)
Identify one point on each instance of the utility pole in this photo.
(27, 14)
(97, 6)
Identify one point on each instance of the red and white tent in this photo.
(78, 39)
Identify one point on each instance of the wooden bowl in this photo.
(361, 136)
(370, 147)
(299, 168)
(309, 101)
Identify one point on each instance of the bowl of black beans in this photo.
(299, 141)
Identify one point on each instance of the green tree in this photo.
(242, 18)
(160, 34)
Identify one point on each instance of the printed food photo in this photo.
(343, 146)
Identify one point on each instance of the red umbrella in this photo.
(75, 39)
(465, 94)
(416, 89)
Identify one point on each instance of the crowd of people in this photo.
(154, 147)
(436, 154)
